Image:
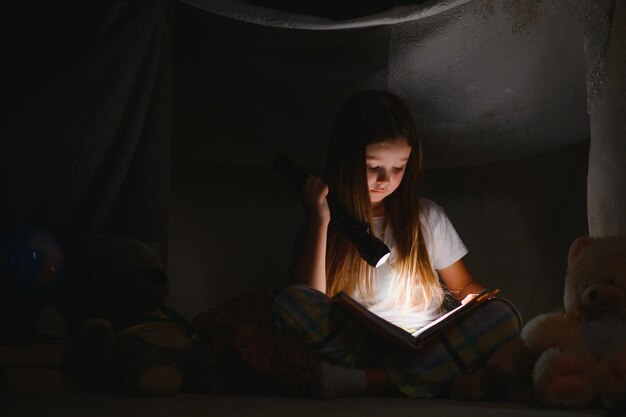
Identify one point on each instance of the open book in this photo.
(399, 337)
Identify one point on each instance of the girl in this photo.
(374, 168)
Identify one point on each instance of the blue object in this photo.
(31, 266)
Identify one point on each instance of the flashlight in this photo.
(372, 250)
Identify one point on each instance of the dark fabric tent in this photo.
(86, 121)
(158, 120)
(506, 99)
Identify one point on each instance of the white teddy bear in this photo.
(582, 353)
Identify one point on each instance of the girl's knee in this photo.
(299, 295)
(502, 310)
(298, 306)
(301, 291)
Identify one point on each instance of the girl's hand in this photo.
(314, 194)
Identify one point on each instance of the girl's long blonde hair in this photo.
(369, 117)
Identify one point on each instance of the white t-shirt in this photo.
(444, 248)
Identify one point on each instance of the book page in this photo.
(452, 314)
(437, 321)
(394, 334)
(398, 336)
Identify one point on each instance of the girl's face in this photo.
(385, 164)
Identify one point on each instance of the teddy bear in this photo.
(131, 342)
(571, 358)
(582, 351)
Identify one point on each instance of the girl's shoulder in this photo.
(432, 215)
(430, 209)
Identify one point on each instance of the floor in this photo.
(73, 405)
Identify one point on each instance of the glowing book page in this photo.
(397, 336)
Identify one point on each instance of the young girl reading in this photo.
(373, 170)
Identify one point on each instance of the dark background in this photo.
(130, 120)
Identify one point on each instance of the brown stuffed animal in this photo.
(132, 343)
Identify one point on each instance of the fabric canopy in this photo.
(85, 140)
(85, 136)
(487, 81)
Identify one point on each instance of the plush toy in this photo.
(583, 352)
(132, 343)
(573, 358)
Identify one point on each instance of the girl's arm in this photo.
(459, 280)
(310, 268)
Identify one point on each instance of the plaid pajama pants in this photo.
(306, 314)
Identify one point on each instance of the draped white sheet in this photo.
(487, 80)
